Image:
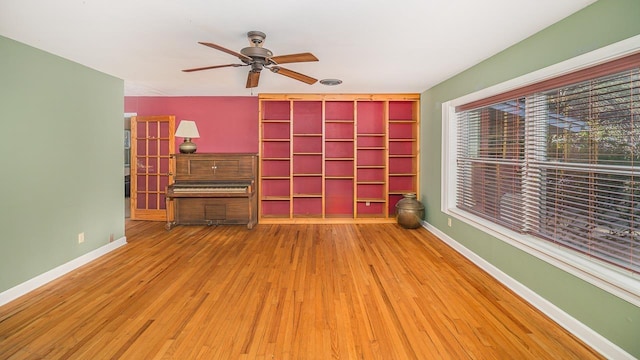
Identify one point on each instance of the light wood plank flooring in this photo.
(279, 292)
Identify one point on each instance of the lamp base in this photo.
(187, 147)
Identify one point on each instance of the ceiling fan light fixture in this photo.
(331, 82)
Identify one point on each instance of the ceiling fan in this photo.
(261, 58)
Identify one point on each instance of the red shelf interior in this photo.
(370, 157)
(338, 168)
(402, 183)
(275, 110)
(275, 208)
(307, 117)
(275, 149)
(339, 110)
(341, 149)
(393, 200)
(275, 187)
(372, 209)
(370, 141)
(339, 197)
(339, 130)
(307, 164)
(401, 110)
(307, 185)
(402, 131)
(402, 147)
(370, 191)
(402, 166)
(307, 206)
(275, 168)
(275, 130)
(370, 117)
(371, 175)
(307, 144)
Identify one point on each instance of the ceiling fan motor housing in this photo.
(258, 54)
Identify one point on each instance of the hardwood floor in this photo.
(279, 292)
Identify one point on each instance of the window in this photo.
(554, 165)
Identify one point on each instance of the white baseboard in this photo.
(34, 283)
(571, 324)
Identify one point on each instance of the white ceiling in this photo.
(374, 46)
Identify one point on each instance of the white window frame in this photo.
(616, 281)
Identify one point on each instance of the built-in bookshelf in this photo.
(326, 158)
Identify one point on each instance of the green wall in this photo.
(61, 163)
(602, 23)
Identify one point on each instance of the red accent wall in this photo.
(226, 124)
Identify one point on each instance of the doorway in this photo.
(127, 164)
(152, 143)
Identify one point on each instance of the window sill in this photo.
(624, 285)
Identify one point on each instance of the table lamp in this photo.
(188, 130)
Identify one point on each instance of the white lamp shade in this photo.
(187, 129)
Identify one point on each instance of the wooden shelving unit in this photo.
(336, 158)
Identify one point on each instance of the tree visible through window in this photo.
(561, 164)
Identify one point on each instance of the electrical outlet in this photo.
(110, 238)
(80, 238)
(449, 222)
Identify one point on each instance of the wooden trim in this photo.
(346, 97)
(608, 68)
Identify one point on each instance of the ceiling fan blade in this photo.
(292, 58)
(223, 49)
(252, 79)
(212, 67)
(294, 75)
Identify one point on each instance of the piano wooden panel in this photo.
(213, 189)
(212, 167)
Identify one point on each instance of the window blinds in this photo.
(561, 163)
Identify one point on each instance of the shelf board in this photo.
(402, 174)
(276, 121)
(307, 174)
(339, 159)
(338, 177)
(396, 121)
(371, 135)
(307, 153)
(275, 216)
(371, 200)
(402, 156)
(276, 177)
(370, 166)
(339, 216)
(276, 140)
(338, 139)
(307, 195)
(307, 135)
(402, 139)
(371, 148)
(400, 192)
(338, 121)
(370, 216)
(274, 198)
(276, 158)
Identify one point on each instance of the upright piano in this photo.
(212, 189)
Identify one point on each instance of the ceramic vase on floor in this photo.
(409, 211)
